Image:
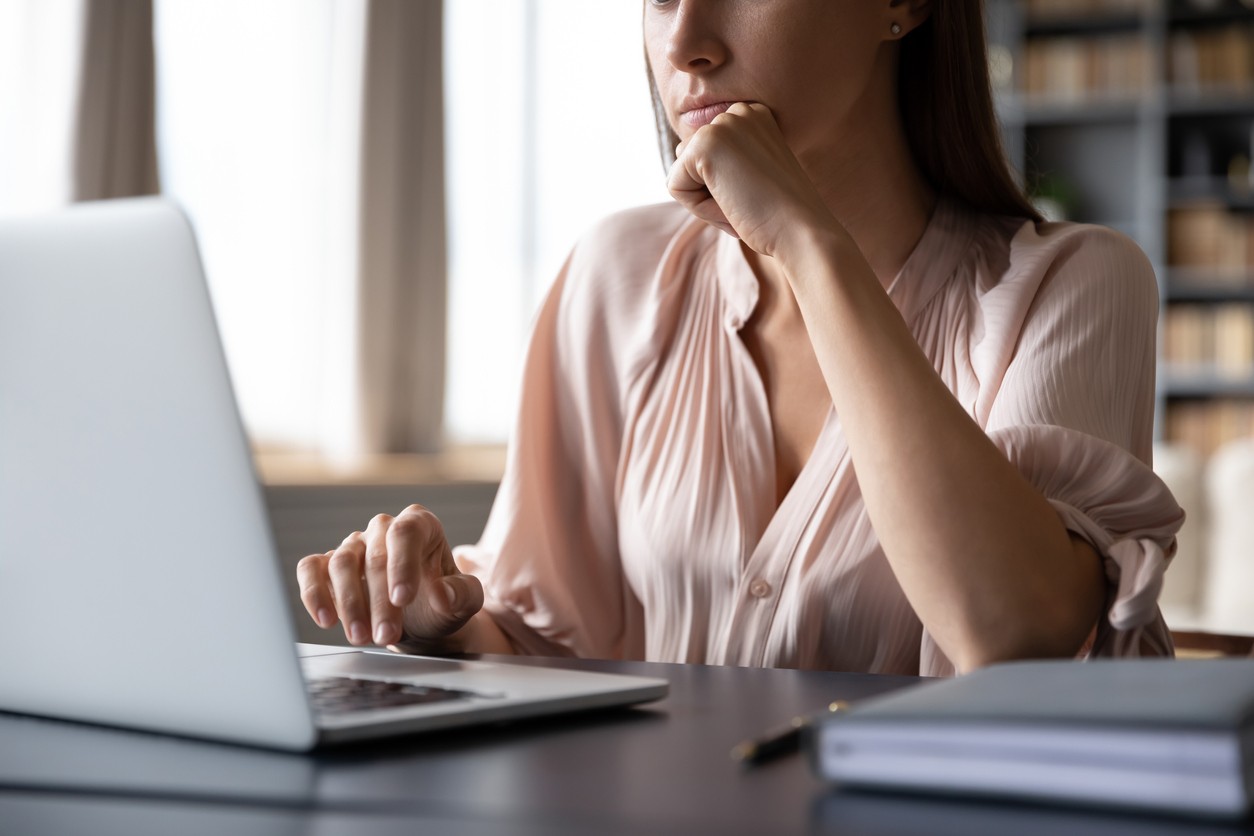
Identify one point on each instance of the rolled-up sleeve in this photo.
(1068, 396)
(1113, 500)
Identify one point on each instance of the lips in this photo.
(700, 114)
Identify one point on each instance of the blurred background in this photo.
(1139, 115)
(383, 191)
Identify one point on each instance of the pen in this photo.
(781, 741)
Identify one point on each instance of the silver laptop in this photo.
(139, 583)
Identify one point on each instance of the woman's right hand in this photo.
(395, 582)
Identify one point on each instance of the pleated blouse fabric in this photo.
(637, 519)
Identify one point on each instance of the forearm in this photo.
(983, 558)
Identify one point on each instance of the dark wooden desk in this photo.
(662, 768)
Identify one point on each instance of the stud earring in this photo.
(895, 28)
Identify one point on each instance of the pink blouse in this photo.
(637, 518)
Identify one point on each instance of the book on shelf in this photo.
(1160, 734)
(1205, 425)
(1207, 235)
(1219, 60)
(1234, 340)
(1069, 68)
(1185, 336)
(1048, 10)
(1215, 339)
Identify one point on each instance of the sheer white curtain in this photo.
(260, 121)
(548, 127)
(305, 137)
(256, 135)
(40, 62)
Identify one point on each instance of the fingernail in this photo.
(401, 594)
(453, 593)
(382, 633)
(358, 633)
(324, 618)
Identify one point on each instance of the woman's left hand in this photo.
(738, 174)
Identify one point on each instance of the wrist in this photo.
(814, 250)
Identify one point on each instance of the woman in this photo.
(847, 404)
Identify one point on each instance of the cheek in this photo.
(663, 77)
(655, 36)
(821, 83)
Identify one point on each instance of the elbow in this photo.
(973, 658)
(1061, 635)
(1050, 620)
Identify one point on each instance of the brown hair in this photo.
(947, 111)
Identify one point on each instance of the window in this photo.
(548, 127)
(40, 42)
(255, 109)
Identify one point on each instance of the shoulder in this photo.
(609, 281)
(606, 300)
(1021, 264)
(1082, 262)
(653, 222)
(629, 243)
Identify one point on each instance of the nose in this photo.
(695, 44)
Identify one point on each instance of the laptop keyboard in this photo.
(341, 694)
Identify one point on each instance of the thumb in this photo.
(463, 595)
(443, 606)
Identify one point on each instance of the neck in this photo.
(881, 199)
(869, 181)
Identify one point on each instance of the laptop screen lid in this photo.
(139, 583)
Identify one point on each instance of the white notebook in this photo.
(1147, 734)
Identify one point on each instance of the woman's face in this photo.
(814, 63)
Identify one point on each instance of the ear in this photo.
(908, 14)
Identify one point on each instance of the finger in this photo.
(704, 207)
(760, 109)
(684, 179)
(385, 619)
(437, 614)
(710, 212)
(687, 184)
(345, 567)
(315, 589)
(415, 541)
(465, 596)
(744, 109)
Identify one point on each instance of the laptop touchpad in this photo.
(378, 665)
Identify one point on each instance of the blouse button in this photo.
(735, 322)
(759, 588)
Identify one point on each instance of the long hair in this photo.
(947, 111)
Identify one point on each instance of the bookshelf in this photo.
(1139, 115)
